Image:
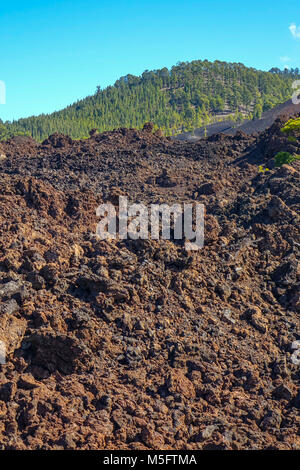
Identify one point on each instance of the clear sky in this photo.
(55, 52)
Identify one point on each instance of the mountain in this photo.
(188, 96)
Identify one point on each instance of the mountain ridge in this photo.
(188, 96)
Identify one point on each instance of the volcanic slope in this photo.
(138, 344)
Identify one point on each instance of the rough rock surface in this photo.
(140, 344)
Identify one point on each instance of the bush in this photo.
(292, 127)
(283, 158)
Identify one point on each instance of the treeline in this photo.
(185, 97)
(286, 72)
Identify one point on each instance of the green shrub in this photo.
(292, 127)
(283, 158)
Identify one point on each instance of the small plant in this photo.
(261, 169)
(292, 127)
(285, 158)
(292, 130)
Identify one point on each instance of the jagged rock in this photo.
(208, 188)
(12, 331)
(55, 351)
(287, 273)
(165, 180)
(93, 132)
(148, 127)
(57, 140)
(283, 392)
(9, 307)
(37, 281)
(9, 289)
(271, 420)
(7, 391)
(278, 210)
(256, 318)
(27, 382)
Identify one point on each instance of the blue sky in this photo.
(55, 52)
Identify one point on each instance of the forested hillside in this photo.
(187, 96)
